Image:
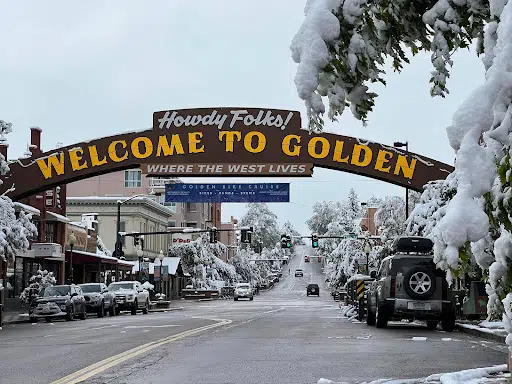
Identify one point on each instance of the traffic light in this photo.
(136, 240)
(142, 242)
(284, 241)
(213, 235)
(247, 235)
(119, 250)
(314, 241)
(288, 241)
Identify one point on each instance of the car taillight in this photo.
(393, 285)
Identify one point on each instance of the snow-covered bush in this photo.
(343, 261)
(147, 285)
(38, 282)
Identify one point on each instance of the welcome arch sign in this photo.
(234, 141)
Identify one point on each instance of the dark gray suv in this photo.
(409, 286)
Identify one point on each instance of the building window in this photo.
(50, 233)
(171, 223)
(192, 224)
(133, 178)
(191, 207)
(122, 228)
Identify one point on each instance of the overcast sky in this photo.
(82, 70)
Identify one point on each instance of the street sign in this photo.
(229, 193)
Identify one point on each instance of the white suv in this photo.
(130, 296)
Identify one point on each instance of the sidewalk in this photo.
(482, 329)
(22, 317)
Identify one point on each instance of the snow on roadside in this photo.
(491, 330)
(488, 375)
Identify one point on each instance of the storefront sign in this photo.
(232, 193)
(211, 140)
(81, 237)
(181, 238)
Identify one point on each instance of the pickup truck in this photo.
(130, 296)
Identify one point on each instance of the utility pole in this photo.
(399, 144)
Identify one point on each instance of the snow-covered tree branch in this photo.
(342, 47)
(264, 222)
(15, 231)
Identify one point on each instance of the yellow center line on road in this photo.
(112, 361)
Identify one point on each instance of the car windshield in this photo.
(119, 286)
(90, 288)
(243, 286)
(62, 290)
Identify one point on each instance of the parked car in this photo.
(130, 296)
(313, 289)
(299, 273)
(243, 290)
(409, 286)
(274, 277)
(59, 301)
(306, 259)
(99, 299)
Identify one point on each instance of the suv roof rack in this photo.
(413, 244)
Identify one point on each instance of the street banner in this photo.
(156, 274)
(165, 273)
(228, 193)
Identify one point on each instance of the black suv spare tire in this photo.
(420, 282)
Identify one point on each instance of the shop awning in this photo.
(52, 216)
(26, 208)
(82, 257)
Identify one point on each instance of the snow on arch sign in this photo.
(221, 142)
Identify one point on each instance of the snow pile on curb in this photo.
(348, 310)
(493, 327)
(487, 375)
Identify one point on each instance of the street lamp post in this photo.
(399, 144)
(161, 258)
(71, 242)
(140, 253)
(367, 250)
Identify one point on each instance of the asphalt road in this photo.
(282, 336)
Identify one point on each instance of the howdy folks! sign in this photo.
(221, 142)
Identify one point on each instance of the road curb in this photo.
(481, 334)
(166, 310)
(20, 321)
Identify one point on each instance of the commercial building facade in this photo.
(141, 214)
(127, 183)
